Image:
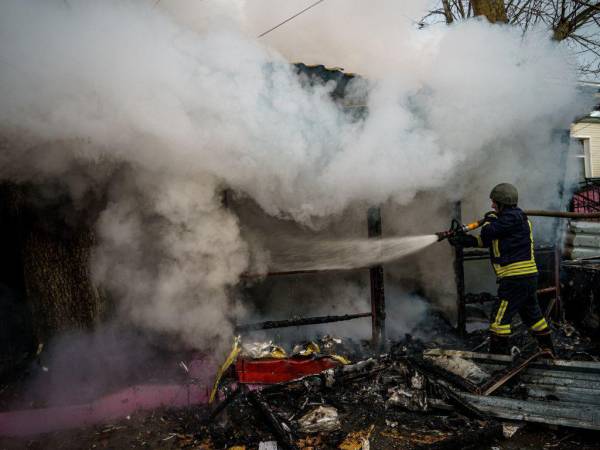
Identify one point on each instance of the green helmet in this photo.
(505, 194)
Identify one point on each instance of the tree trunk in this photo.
(493, 10)
(447, 11)
(16, 335)
(562, 30)
(55, 257)
(57, 282)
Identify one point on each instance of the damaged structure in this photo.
(331, 393)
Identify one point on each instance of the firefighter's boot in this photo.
(544, 340)
(499, 345)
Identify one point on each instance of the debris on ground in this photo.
(322, 418)
(415, 396)
(510, 429)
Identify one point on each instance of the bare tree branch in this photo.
(447, 12)
(574, 21)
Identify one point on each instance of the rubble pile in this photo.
(411, 397)
(337, 393)
(385, 399)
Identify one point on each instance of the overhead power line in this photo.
(290, 18)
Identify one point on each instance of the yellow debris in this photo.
(340, 359)
(357, 440)
(310, 349)
(277, 353)
(235, 351)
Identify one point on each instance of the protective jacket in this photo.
(509, 237)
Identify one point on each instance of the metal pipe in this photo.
(562, 214)
(297, 322)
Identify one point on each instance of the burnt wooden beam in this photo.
(295, 272)
(269, 324)
(377, 287)
(558, 299)
(459, 277)
(283, 433)
(431, 371)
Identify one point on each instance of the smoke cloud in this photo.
(188, 100)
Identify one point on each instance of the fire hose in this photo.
(457, 228)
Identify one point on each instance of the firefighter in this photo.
(507, 232)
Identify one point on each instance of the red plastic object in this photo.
(271, 371)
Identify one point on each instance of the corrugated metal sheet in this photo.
(551, 391)
(585, 242)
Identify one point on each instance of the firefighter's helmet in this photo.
(505, 194)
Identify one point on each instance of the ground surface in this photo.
(173, 430)
(362, 404)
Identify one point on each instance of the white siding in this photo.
(590, 132)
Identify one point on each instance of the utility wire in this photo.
(290, 18)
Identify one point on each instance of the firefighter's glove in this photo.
(490, 216)
(463, 240)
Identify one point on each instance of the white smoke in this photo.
(191, 102)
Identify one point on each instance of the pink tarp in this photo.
(115, 406)
(108, 408)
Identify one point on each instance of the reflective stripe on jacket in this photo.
(509, 236)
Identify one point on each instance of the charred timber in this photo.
(377, 285)
(232, 396)
(295, 272)
(298, 322)
(431, 371)
(276, 424)
(548, 290)
(442, 380)
(459, 278)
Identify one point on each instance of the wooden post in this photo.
(459, 276)
(558, 305)
(377, 289)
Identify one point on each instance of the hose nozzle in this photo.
(471, 226)
(456, 228)
(441, 235)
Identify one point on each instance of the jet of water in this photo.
(345, 254)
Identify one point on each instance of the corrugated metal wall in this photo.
(584, 241)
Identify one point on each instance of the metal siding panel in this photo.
(586, 227)
(586, 242)
(557, 413)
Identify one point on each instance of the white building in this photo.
(587, 130)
